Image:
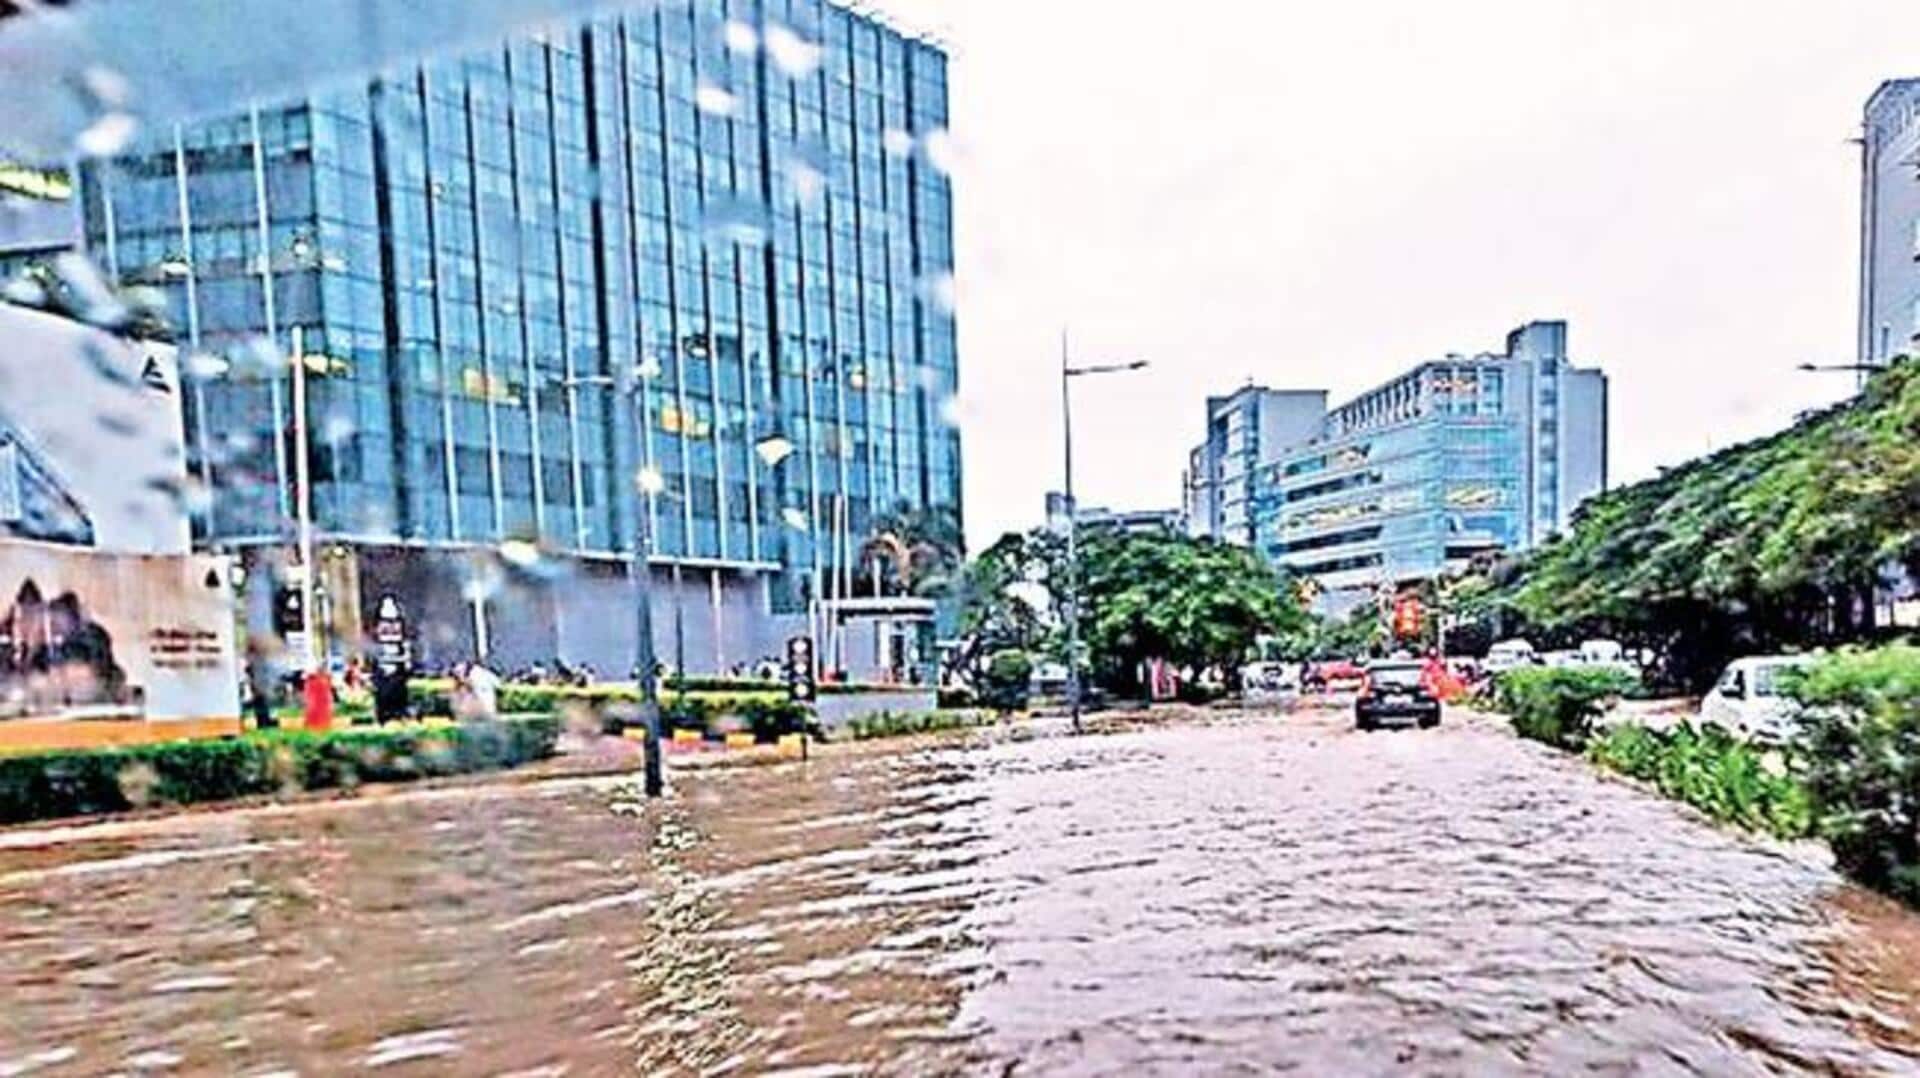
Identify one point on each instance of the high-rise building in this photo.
(1245, 429)
(1458, 457)
(742, 202)
(1890, 223)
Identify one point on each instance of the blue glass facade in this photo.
(734, 198)
(1453, 459)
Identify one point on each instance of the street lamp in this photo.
(1842, 367)
(629, 382)
(1068, 372)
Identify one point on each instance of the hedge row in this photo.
(1558, 705)
(72, 783)
(898, 724)
(1731, 780)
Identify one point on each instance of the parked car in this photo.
(1396, 690)
(1339, 674)
(1747, 698)
(1608, 655)
(1509, 654)
(1270, 677)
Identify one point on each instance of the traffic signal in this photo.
(288, 614)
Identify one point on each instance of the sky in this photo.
(1322, 195)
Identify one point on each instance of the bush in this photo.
(1007, 682)
(901, 724)
(1859, 754)
(54, 784)
(955, 697)
(1729, 779)
(1557, 705)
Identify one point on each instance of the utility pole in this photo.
(1068, 372)
(645, 483)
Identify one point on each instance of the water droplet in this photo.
(896, 143)
(520, 553)
(740, 37)
(936, 289)
(649, 480)
(258, 357)
(107, 135)
(205, 366)
(336, 429)
(715, 100)
(25, 291)
(794, 55)
(796, 518)
(93, 297)
(939, 148)
(107, 87)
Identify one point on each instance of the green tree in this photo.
(920, 550)
(1192, 602)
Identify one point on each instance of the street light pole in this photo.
(629, 387)
(1073, 550)
(1068, 372)
(304, 506)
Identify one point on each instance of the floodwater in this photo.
(1242, 894)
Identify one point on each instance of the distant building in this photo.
(1246, 429)
(1890, 223)
(1458, 457)
(1132, 521)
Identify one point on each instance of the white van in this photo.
(1508, 654)
(1747, 700)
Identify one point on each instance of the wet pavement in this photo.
(1252, 893)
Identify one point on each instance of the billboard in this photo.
(86, 634)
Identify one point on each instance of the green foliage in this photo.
(1859, 755)
(1193, 602)
(1749, 549)
(1007, 681)
(55, 784)
(1557, 705)
(1731, 780)
(901, 724)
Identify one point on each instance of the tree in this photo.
(1776, 542)
(1193, 602)
(920, 550)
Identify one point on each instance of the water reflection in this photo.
(1158, 899)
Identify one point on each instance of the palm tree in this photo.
(920, 550)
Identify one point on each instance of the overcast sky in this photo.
(1321, 195)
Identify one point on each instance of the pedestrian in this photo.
(483, 690)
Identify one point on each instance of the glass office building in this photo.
(742, 202)
(1456, 458)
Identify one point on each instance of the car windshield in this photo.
(1396, 677)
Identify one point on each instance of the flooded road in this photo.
(1259, 893)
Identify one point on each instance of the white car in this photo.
(1747, 700)
(1508, 654)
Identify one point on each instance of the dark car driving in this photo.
(1396, 691)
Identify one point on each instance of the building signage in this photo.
(83, 633)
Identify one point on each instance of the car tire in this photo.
(1428, 722)
(1364, 724)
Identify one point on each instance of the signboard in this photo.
(1406, 617)
(86, 633)
(800, 686)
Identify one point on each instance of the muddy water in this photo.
(1255, 894)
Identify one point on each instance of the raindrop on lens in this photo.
(715, 100)
(98, 305)
(740, 37)
(937, 144)
(107, 135)
(25, 291)
(896, 143)
(794, 55)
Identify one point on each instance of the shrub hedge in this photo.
(1731, 780)
(1858, 751)
(900, 724)
(1557, 705)
(70, 783)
